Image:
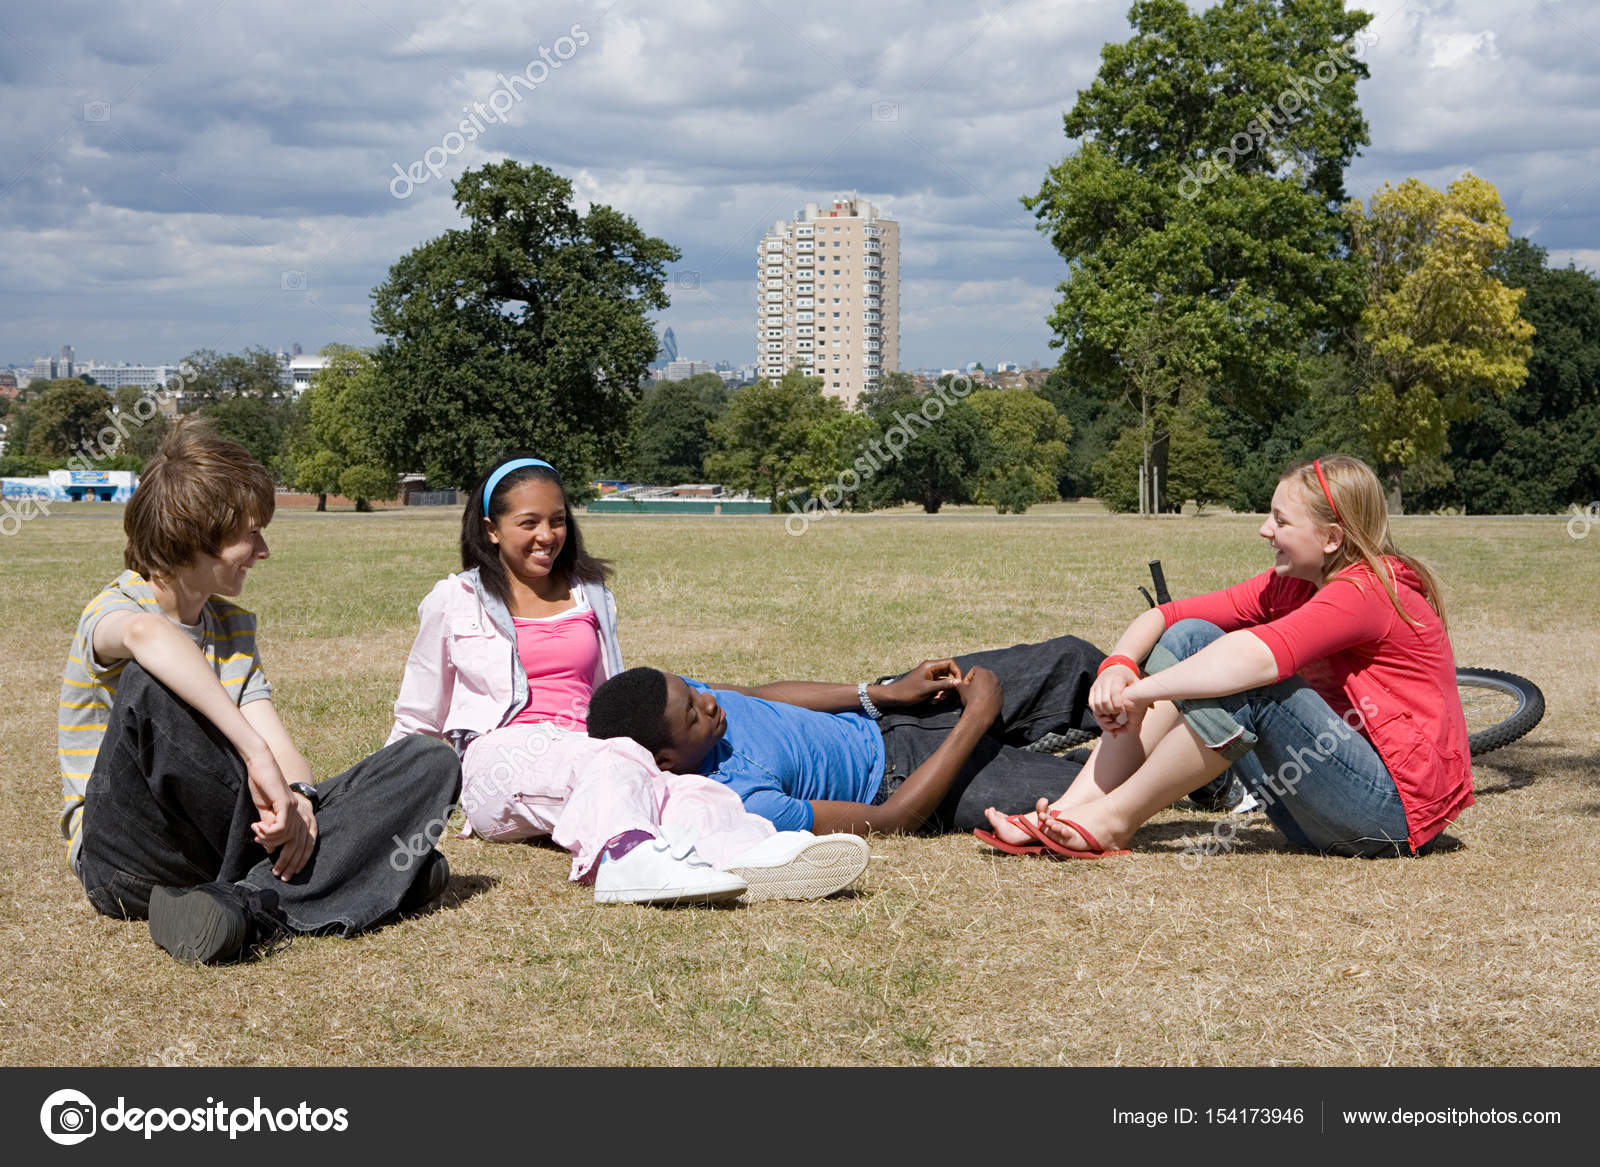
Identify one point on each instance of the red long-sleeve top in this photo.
(1393, 680)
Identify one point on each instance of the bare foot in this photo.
(1098, 832)
(1007, 831)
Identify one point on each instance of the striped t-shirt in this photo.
(226, 634)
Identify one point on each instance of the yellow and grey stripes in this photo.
(226, 635)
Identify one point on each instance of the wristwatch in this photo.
(309, 791)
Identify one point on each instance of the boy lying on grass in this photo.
(928, 751)
(184, 799)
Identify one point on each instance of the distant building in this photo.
(44, 368)
(8, 385)
(669, 347)
(683, 370)
(64, 367)
(829, 296)
(301, 369)
(143, 376)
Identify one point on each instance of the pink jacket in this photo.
(463, 677)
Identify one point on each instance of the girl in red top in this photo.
(1327, 683)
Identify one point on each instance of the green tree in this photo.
(254, 373)
(1027, 448)
(1536, 450)
(1204, 196)
(1437, 324)
(337, 450)
(255, 423)
(929, 453)
(67, 418)
(528, 327)
(19, 427)
(146, 425)
(1195, 465)
(764, 441)
(671, 434)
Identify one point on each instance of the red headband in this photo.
(1316, 464)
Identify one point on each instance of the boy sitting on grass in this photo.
(927, 751)
(184, 799)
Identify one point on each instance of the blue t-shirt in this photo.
(779, 757)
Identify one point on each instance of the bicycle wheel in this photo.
(1500, 707)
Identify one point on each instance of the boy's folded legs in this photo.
(169, 811)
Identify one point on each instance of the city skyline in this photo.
(143, 224)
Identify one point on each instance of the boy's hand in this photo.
(980, 693)
(929, 681)
(287, 824)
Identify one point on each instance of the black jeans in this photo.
(168, 805)
(1044, 689)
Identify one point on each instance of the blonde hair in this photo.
(198, 492)
(1358, 508)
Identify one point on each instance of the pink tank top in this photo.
(561, 655)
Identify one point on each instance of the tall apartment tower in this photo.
(830, 296)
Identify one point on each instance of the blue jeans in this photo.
(1322, 783)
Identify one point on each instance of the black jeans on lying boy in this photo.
(1044, 689)
(168, 805)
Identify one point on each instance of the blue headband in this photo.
(501, 472)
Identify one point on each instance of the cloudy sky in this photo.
(183, 174)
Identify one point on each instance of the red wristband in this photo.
(1126, 661)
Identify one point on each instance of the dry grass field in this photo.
(1481, 952)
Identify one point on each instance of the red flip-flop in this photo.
(1096, 851)
(1020, 822)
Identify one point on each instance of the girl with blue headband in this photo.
(509, 652)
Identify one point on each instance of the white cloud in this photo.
(246, 140)
(1448, 50)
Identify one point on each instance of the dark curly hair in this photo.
(632, 704)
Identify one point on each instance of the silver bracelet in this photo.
(867, 706)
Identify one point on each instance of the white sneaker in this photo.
(663, 871)
(797, 865)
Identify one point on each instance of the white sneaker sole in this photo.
(667, 896)
(829, 864)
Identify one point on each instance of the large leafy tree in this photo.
(1026, 449)
(67, 418)
(336, 451)
(928, 464)
(784, 437)
(671, 434)
(253, 374)
(1438, 324)
(1203, 199)
(525, 328)
(1538, 449)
